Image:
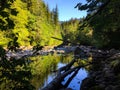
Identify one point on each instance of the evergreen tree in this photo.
(69, 29)
(48, 14)
(30, 21)
(56, 15)
(21, 20)
(5, 11)
(104, 17)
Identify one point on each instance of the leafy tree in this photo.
(4, 40)
(104, 18)
(69, 30)
(21, 21)
(5, 11)
(14, 74)
(30, 21)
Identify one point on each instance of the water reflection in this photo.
(41, 67)
(44, 66)
(17, 74)
(76, 81)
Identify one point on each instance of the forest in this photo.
(30, 23)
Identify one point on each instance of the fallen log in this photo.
(55, 84)
(67, 67)
(70, 79)
(65, 41)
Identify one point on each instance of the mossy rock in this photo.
(116, 66)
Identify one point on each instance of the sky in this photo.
(66, 8)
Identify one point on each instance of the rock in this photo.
(117, 87)
(102, 85)
(110, 87)
(66, 89)
(105, 72)
(87, 83)
(96, 87)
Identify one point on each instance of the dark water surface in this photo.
(43, 78)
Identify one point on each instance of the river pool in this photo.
(40, 80)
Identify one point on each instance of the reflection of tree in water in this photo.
(14, 74)
(42, 67)
(66, 58)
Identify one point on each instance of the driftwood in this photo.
(65, 40)
(55, 84)
(71, 78)
(67, 67)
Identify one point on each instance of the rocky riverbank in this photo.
(44, 51)
(104, 72)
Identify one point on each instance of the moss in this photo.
(115, 65)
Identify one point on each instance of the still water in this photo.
(43, 67)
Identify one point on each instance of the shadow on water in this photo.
(76, 81)
(44, 71)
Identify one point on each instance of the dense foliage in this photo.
(104, 18)
(71, 32)
(23, 23)
(30, 21)
(14, 74)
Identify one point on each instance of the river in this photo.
(44, 67)
(39, 70)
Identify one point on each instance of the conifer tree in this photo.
(5, 11)
(104, 17)
(55, 12)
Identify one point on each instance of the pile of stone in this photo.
(104, 74)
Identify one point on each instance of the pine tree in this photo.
(5, 11)
(48, 14)
(104, 17)
(55, 11)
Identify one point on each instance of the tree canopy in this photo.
(30, 21)
(104, 18)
